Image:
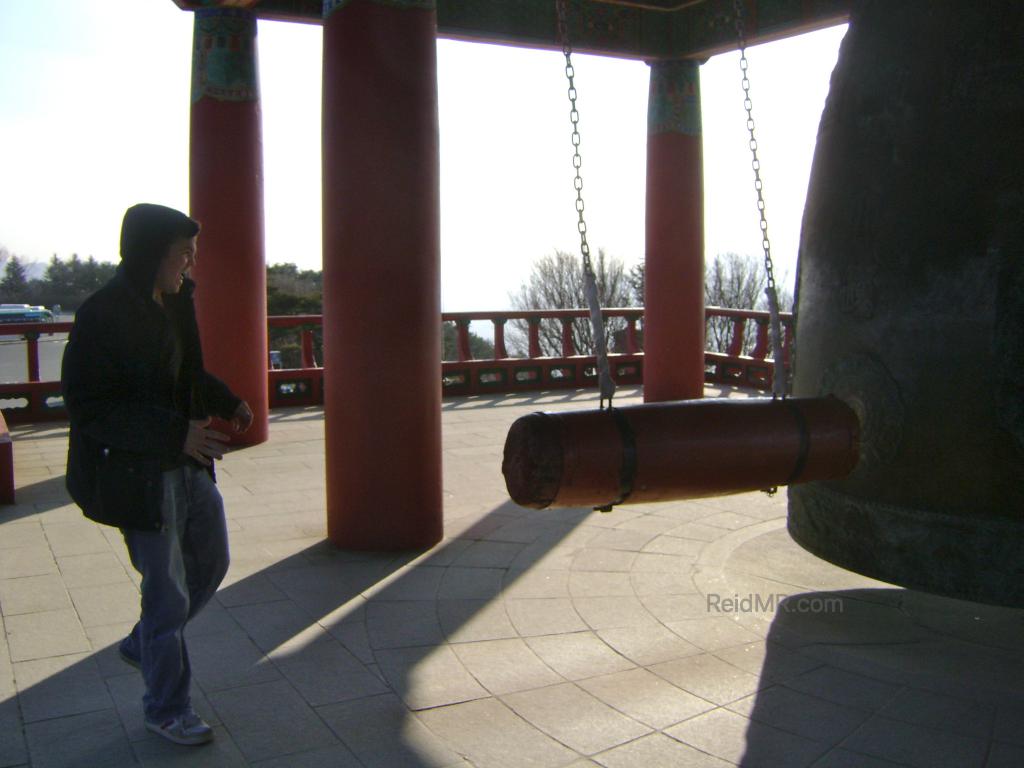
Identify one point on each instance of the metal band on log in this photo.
(681, 450)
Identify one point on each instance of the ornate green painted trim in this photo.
(673, 104)
(224, 56)
(330, 6)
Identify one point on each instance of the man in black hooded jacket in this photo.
(141, 451)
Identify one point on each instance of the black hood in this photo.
(146, 233)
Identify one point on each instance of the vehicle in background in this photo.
(24, 313)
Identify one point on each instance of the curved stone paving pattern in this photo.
(551, 638)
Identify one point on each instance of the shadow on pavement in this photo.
(880, 677)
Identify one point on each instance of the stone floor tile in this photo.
(104, 640)
(491, 735)
(31, 594)
(709, 678)
(713, 634)
(842, 687)
(622, 538)
(673, 582)
(861, 661)
(799, 713)
(648, 644)
(464, 621)
(489, 554)
(327, 586)
(41, 635)
(697, 531)
(222, 752)
(645, 697)
(92, 569)
(543, 616)
(428, 677)
(916, 746)
(13, 749)
(94, 739)
(673, 545)
(669, 608)
(348, 625)
(505, 666)
(382, 733)
(649, 562)
(25, 533)
(78, 538)
(26, 561)
(769, 659)
(338, 756)
(600, 584)
(611, 612)
(324, 672)
(106, 603)
(578, 655)
(270, 720)
(946, 713)
(603, 560)
(736, 739)
(658, 751)
(272, 625)
(575, 718)
(249, 590)
(60, 686)
(650, 521)
(543, 556)
(228, 660)
(403, 624)
(419, 582)
(214, 619)
(731, 521)
(460, 583)
(127, 689)
(541, 583)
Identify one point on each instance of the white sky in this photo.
(95, 101)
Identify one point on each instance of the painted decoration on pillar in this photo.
(330, 6)
(224, 56)
(674, 102)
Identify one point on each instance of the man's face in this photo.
(180, 258)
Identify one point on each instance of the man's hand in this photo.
(242, 419)
(203, 444)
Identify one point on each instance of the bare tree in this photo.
(556, 282)
(737, 282)
(733, 281)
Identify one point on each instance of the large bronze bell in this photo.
(910, 298)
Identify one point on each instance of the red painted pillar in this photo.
(674, 272)
(382, 297)
(226, 197)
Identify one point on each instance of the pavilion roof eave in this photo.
(635, 29)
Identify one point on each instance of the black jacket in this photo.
(129, 415)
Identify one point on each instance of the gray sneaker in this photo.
(188, 728)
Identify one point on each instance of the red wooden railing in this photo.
(35, 400)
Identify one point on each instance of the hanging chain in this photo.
(605, 382)
(779, 379)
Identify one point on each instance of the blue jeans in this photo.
(181, 565)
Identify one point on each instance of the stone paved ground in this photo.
(525, 639)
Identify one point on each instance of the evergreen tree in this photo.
(14, 287)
